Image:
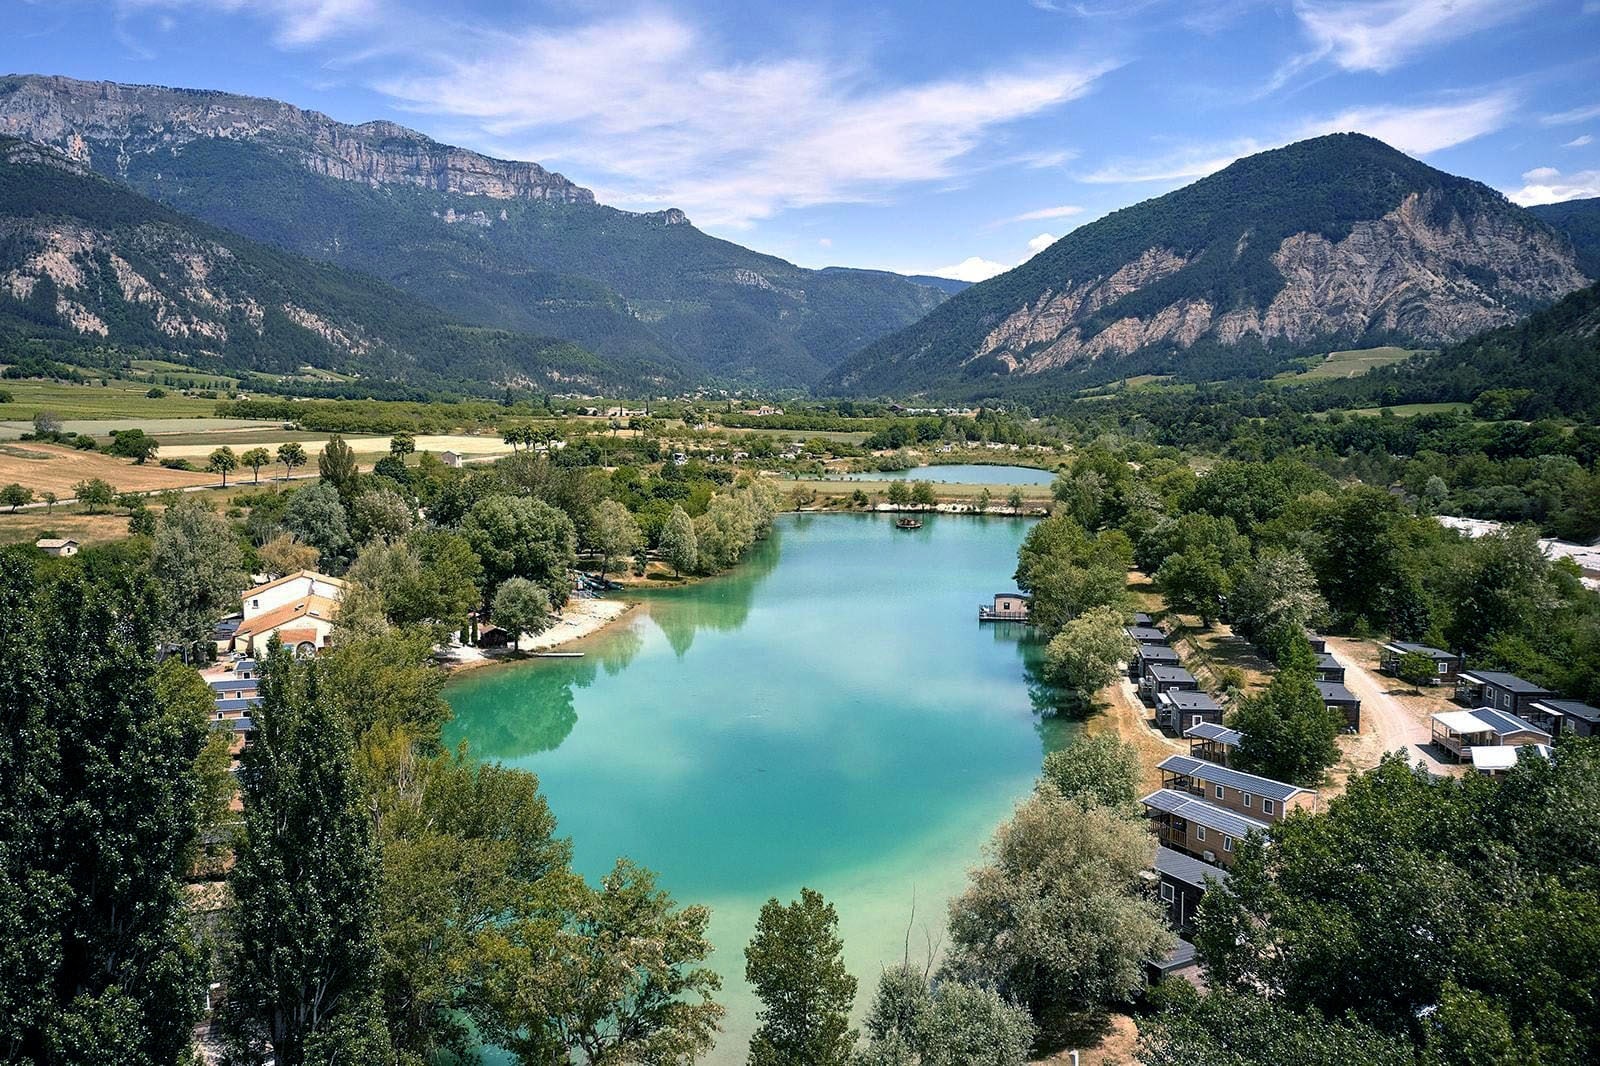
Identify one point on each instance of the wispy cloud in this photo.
(1577, 114)
(295, 22)
(1043, 213)
(1547, 185)
(1419, 130)
(1040, 243)
(649, 106)
(1579, 142)
(1380, 35)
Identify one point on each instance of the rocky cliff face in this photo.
(1430, 275)
(95, 119)
(1340, 241)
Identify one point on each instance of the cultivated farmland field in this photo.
(55, 468)
(1349, 364)
(119, 400)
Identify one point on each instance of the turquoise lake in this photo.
(959, 474)
(831, 714)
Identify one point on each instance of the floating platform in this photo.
(908, 523)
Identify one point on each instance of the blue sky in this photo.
(932, 136)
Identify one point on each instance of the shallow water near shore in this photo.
(831, 714)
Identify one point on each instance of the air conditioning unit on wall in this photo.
(1210, 856)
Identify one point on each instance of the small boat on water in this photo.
(558, 655)
(908, 523)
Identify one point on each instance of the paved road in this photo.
(1397, 727)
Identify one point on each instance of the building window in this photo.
(1268, 807)
(1227, 843)
(1249, 800)
(1444, 668)
(1220, 792)
(1200, 833)
(1166, 892)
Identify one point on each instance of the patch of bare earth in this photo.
(1107, 1040)
(54, 468)
(1395, 716)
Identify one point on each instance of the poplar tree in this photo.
(796, 964)
(302, 981)
(98, 819)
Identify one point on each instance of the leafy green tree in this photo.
(95, 495)
(380, 512)
(922, 494)
(1101, 769)
(49, 499)
(520, 606)
(899, 493)
(255, 459)
(1067, 572)
(616, 534)
(1014, 501)
(402, 445)
(202, 572)
(100, 806)
(336, 464)
(1416, 668)
(1276, 595)
(224, 462)
(951, 1024)
(302, 952)
(985, 500)
(518, 537)
(15, 495)
(1058, 916)
(284, 554)
(1289, 733)
(795, 963)
(1244, 1030)
(679, 544)
(316, 516)
(620, 978)
(292, 455)
(1195, 583)
(1502, 585)
(1087, 654)
(133, 444)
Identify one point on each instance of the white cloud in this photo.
(1547, 185)
(1040, 243)
(826, 242)
(972, 268)
(1043, 213)
(1577, 114)
(1379, 35)
(298, 22)
(1414, 130)
(1579, 142)
(1422, 130)
(649, 105)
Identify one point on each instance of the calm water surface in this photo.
(829, 715)
(960, 474)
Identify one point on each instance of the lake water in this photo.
(831, 714)
(958, 474)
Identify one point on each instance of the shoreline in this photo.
(580, 618)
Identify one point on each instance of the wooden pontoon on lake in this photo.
(908, 523)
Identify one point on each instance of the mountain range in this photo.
(1336, 242)
(500, 244)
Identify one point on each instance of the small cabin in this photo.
(1459, 732)
(451, 459)
(1141, 618)
(1503, 692)
(1564, 717)
(1162, 679)
(1147, 635)
(1447, 665)
(1005, 607)
(1187, 823)
(1212, 742)
(57, 546)
(1180, 882)
(1329, 668)
(1179, 709)
(1336, 697)
(1319, 643)
(1146, 656)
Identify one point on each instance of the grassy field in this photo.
(54, 468)
(25, 527)
(1406, 410)
(1349, 364)
(118, 399)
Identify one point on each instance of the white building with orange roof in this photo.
(298, 608)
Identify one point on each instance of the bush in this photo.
(1416, 669)
(177, 464)
(155, 392)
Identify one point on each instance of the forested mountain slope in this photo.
(85, 262)
(501, 244)
(1335, 242)
(1580, 221)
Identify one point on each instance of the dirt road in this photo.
(1396, 724)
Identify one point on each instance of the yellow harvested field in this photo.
(55, 468)
(25, 527)
(460, 443)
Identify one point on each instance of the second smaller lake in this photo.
(958, 474)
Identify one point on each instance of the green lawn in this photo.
(1406, 410)
(1347, 364)
(118, 399)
